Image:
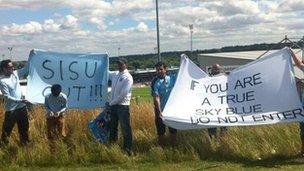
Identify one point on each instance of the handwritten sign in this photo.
(83, 77)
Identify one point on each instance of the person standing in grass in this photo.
(161, 87)
(300, 65)
(15, 104)
(212, 132)
(55, 105)
(122, 82)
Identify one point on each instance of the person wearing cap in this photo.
(122, 82)
(300, 65)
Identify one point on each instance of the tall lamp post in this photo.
(157, 31)
(155, 49)
(118, 51)
(191, 43)
(10, 50)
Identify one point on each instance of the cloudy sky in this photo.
(128, 26)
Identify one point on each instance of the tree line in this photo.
(172, 58)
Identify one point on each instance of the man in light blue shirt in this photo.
(15, 104)
(161, 89)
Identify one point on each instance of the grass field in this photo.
(141, 94)
(255, 147)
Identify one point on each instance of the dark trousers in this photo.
(20, 117)
(160, 126)
(121, 114)
(212, 131)
(302, 130)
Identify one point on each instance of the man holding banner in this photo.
(15, 104)
(121, 95)
(300, 65)
(216, 70)
(161, 90)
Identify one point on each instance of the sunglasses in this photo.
(10, 67)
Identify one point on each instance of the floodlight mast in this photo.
(157, 32)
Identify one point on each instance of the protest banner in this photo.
(261, 92)
(83, 77)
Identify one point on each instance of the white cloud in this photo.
(29, 28)
(216, 24)
(268, 6)
(233, 7)
(100, 23)
(33, 27)
(123, 7)
(88, 4)
(50, 26)
(291, 6)
(69, 22)
(29, 4)
(81, 33)
(142, 27)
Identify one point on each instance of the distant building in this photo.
(232, 60)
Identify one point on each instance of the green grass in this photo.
(142, 93)
(282, 164)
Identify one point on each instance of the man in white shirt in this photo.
(121, 95)
(15, 104)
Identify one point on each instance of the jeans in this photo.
(121, 114)
(20, 117)
(160, 126)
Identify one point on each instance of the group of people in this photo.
(121, 84)
(56, 104)
(16, 111)
(161, 86)
(122, 81)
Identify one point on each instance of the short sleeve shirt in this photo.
(162, 88)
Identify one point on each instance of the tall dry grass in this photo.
(240, 143)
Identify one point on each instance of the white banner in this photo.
(261, 92)
(83, 77)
